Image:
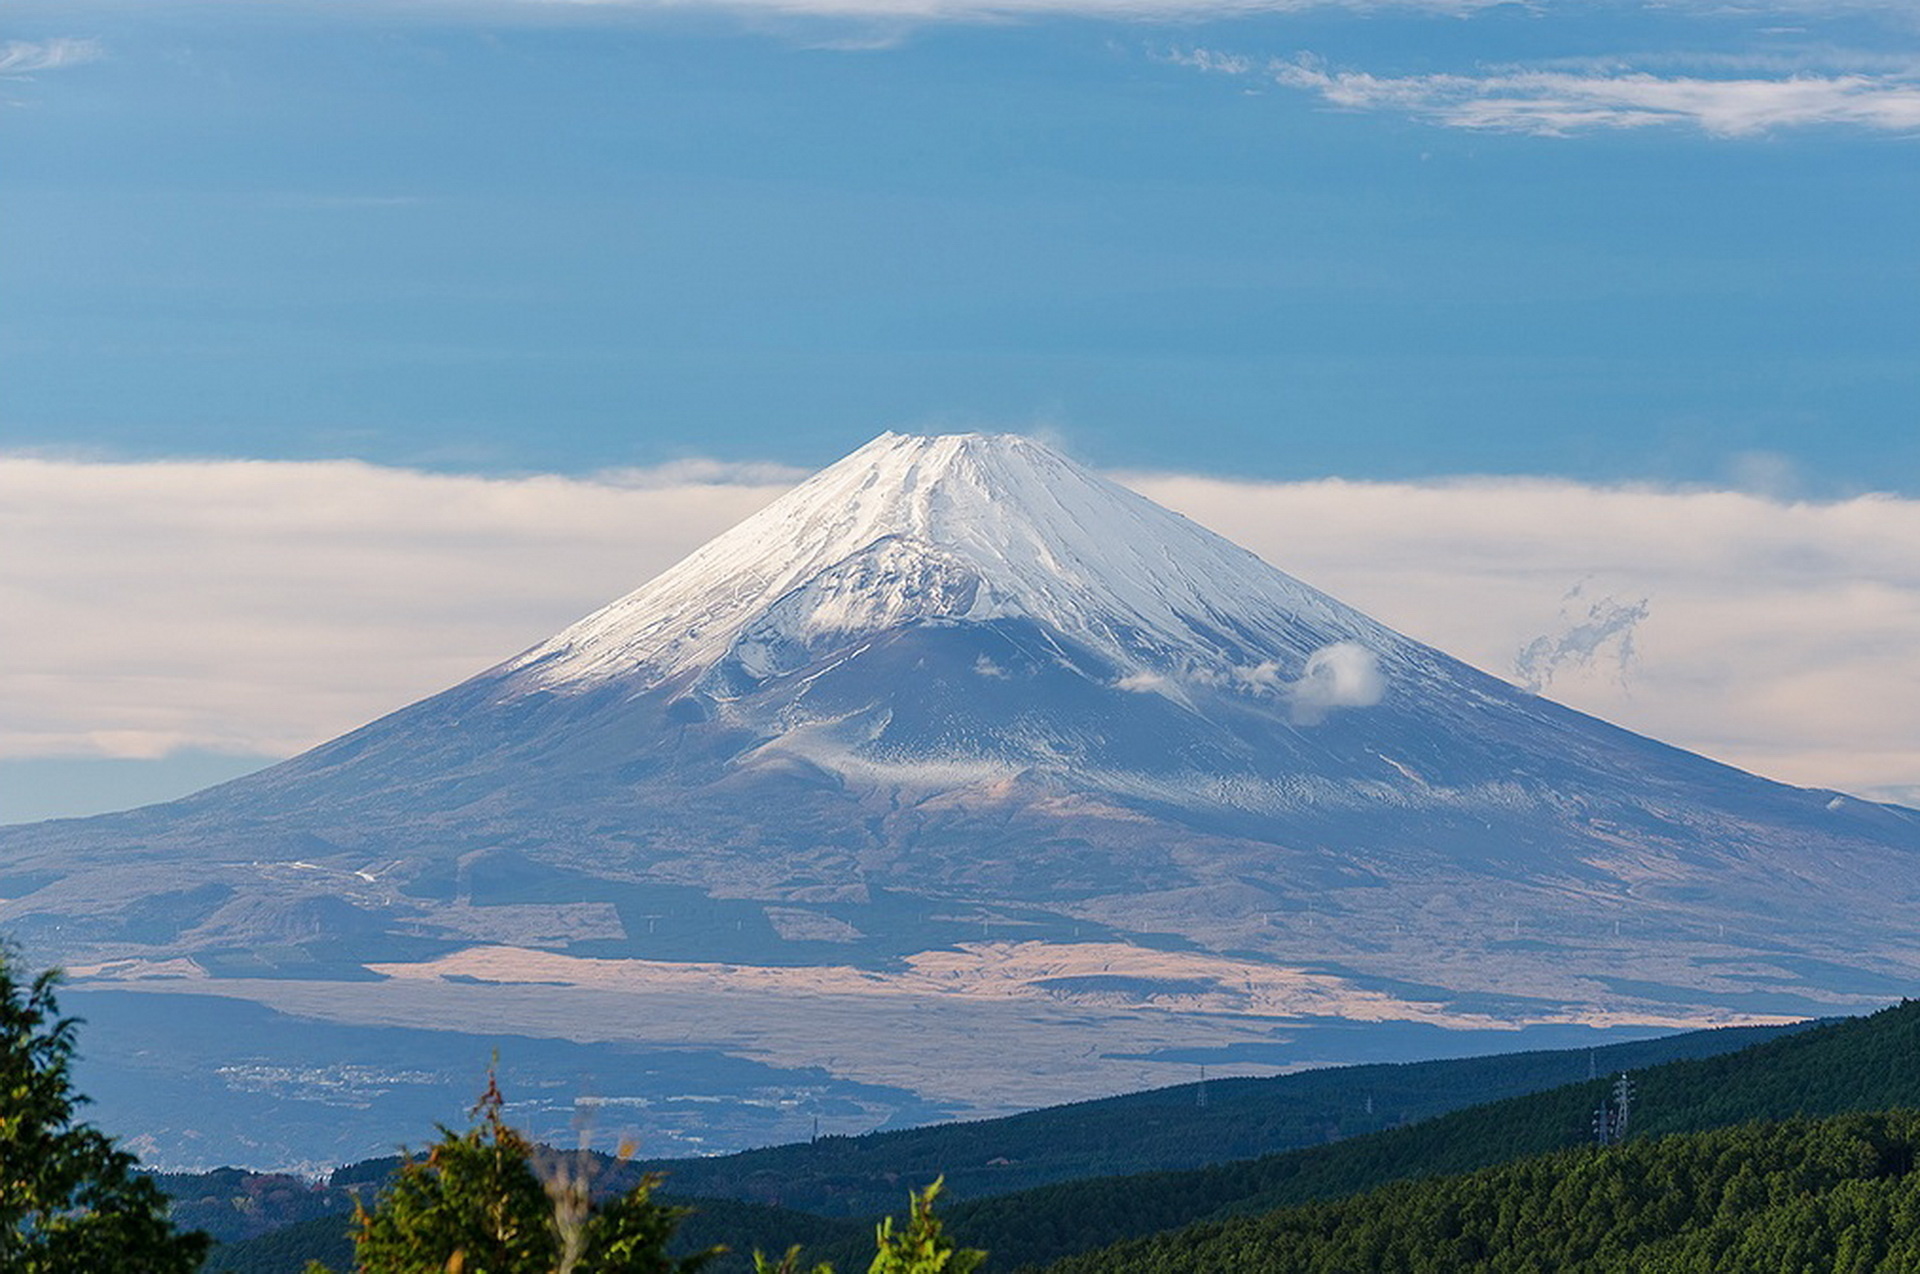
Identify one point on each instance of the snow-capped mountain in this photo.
(990, 560)
(964, 529)
(959, 699)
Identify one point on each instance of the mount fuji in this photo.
(960, 734)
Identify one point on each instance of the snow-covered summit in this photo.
(947, 529)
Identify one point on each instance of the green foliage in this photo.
(748, 1228)
(741, 1226)
(70, 1200)
(232, 1203)
(476, 1205)
(1800, 1195)
(921, 1248)
(789, 1263)
(287, 1250)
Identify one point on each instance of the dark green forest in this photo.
(1856, 1064)
(1838, 1194)
(1163, 1129)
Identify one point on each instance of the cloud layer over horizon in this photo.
(261, 607)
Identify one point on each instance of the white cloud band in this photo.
(262, 607)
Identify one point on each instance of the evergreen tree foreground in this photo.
(489, 1201)
(70, 1199)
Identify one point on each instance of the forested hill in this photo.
(1838, 1194)
(865, 1176)
(1157, 1130)
(1851, 1065)
(1856, 1064)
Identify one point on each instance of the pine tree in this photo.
(69, 1198)
(474, 1204)
(921, 1248)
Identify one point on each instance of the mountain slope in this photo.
(957, 723)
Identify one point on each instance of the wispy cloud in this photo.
(1591, 631)
(1558, 101)
(700, 472)
(885, 20)
(911, 12)
(260, 607)
(27, 57)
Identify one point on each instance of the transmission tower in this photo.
(1610, 1118)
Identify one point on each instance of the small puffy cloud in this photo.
(1556, 101)
(1151, 683)
(1343, 675)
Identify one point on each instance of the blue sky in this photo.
(1671, 245)
(1377, 243)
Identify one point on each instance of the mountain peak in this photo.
(943, 529)
(961, 730)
